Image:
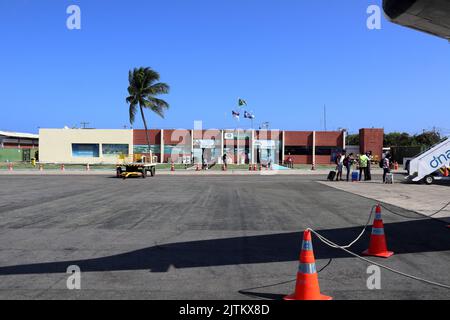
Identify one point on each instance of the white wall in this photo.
(55, 145)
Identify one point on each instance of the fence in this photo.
(17, 155)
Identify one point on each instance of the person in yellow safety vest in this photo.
(363, 162)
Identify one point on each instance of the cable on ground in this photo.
(345, 248)
(423, 216)
(334, 245)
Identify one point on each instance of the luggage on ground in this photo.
(331, 175)
(355, 176)
(389, 178)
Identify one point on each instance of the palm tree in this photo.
(143, 88)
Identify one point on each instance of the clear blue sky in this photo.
(286, 58)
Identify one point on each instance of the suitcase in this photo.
(331, 175)
(355, 176)
(389, 178)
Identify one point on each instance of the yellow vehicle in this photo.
(140, 168)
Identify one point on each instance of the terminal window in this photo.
(298, 150)
(85, 150)
(114, 149)
(144, 148)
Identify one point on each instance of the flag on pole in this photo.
(242, 102)
(249, 115)
(235, 114)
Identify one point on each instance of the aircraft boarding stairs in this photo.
(430, 161)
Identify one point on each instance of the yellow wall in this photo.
(55, 145)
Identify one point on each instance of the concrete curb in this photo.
(165, 172)
(174, 173)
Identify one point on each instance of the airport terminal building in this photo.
(109, 146)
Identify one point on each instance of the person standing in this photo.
(339, 166)
(348, 161)
(363, 160)
(290, 162)
(386, 166)
(224, 158)
(369, 162)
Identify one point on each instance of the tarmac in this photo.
(179, 172)
(201, 237)
(426, 200)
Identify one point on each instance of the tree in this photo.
(143, 88)
(427, 138)
(397, 139)
(353, 140)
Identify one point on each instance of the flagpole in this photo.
(237, 142)
(237, 139)
(237, 145)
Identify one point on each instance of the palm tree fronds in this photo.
(157, 88)
(143, 88)
(156, 105)
(132, 112)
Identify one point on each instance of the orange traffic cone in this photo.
(307, 285)
(254, 167)
(377, 246)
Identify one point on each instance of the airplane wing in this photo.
(430, 16)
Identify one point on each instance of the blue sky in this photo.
(285, 58)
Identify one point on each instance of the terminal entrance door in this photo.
(205, 150)
(207, 155)
(264, 155)
(26, 155)
(265, 151)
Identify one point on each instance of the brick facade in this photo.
(371, 140)
(296, 144)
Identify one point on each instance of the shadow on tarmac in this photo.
(402, 237)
